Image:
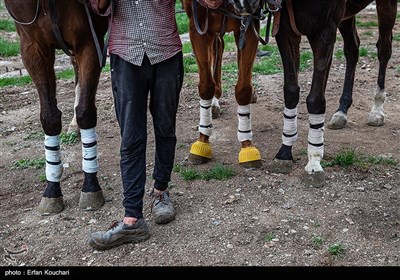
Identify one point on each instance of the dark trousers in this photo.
(131, 86)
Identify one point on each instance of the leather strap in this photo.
(54, 26)
(289, 6)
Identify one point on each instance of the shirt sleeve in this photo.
(94, 6)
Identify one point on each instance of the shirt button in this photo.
(144, 44)
(136, 2)
(140, 24)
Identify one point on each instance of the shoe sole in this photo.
(164, 219)
(126, 239)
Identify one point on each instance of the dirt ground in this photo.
(256, 218)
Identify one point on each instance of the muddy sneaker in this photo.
(162, 210)
(118, 234)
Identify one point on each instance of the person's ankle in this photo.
(155, 191)
(130, 221)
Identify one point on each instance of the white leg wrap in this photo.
(244, 123)
(289, 133)
(205, 126)
(54, 168)
(315, 143)
(89, 150)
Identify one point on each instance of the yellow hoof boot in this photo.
(200, 152)
(250, 157)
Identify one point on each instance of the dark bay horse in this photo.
(319, 20)
(43, 27)
(206, 29)
(387, 12)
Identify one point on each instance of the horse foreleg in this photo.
(52, 200)
(201, 151)
(91, 197)
(39, 63)
(322, 46)
(249, 155)
(290, 54)
(91, 194)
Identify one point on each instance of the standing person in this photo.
(146, 63)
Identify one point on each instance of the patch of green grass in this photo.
(35, 135)
(367, 24)
(339, 54)
(303, 151)
(8, 48)
(269, 65)
(306, 58)
(349, 157)
(7, 25)
(317, 240)
(217, 172)
(29, 163)
(269, 237)
(187, 47)
(183, 22)
(367, 34)
(190, 65)
(336, 249)
(42, 178)
(68, 138)
(15, 81)
(190, 174)
(23, 80)
(396, 37)
(65, 74)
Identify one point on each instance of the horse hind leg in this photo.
(217, 50)
(387, 13)
(351, 50)
(73, 126)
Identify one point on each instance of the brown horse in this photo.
(387, 12)
(206, 30)
(319, 20)
(44, 26)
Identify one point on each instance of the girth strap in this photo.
(54, 26)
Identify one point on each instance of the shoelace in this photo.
(159, 197)
(114, 224)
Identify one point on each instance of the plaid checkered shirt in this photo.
(140, 27)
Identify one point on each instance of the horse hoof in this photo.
(338, 121)
(375, 119)
(91, 200)
(200, 152)
(316, 179)
(50, 206)
(250, 158)
(280, 166)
